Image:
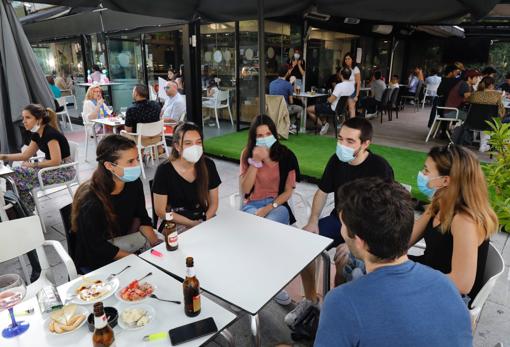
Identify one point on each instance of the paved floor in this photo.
(409, 131)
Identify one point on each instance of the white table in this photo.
(168, 315)
(109, 121)
(5, 170)
(307, 96)
(243, 259)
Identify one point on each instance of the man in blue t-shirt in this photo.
(398, 302)
(281, 86)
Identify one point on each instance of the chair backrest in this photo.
(394, 97)
(431, 88)
(150, 129)
(494, 267)
(385, 98)
(73, 148)
(62, 101)
(478, 116)
(341, 105)
(182, 118)
(65, 214)
(19, 236)
(221, 96)
(419, 88)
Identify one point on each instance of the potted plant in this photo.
(498, 171)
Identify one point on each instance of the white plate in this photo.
(149, 309)
(79, 310)
(114, 285)
(117, 294)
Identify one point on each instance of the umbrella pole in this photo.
(262, 57)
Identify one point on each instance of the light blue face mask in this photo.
(131, 173)
(267, 141)
(344, 153)
(423, 184)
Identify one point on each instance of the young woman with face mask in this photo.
(109, 215)
(45, 136)
(459, 222)
(188, 182)
(268, 173)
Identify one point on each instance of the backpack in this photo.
(306, 328)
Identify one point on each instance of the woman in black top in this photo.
(188, 183)
(45, 136)
(110, 205)
(458, 223)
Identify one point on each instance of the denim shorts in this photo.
(323, 108)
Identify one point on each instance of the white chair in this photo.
(494, 268)
(62, 101)
(148, 130)
(20, 236)
(220, 101)
(430, 92)
(438, 119)
(87, 126)
(47, 189)
(71, 95)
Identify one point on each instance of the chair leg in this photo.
(140, 158)
(231, 118)
(86, 145)
(430, 131)
(70, 191)
(437, 129)
(69, 120)
(216, 115)
(38, 209)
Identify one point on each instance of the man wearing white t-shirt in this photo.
(345, 88)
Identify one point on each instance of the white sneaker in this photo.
(324, 129)
(283, 298)
(297, 313)
(484, 148)
(370, 115)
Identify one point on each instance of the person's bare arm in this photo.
(121, 254)
(29, 152)
(128, 129)
(319, 200)
(465, 253)
(150, 234)
(55, 154)
(300, 67)
(291, 100)
(419, 227)
(357, 81)
(247, 180)
(331, 98)
(213, 203)
(160, 203)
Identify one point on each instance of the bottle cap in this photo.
(98, 309)
(189, 262)
(169, 216)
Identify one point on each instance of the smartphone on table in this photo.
(192, 331)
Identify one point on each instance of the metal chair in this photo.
(220, 101)
(340, 111)
(20, 236)
(430, 92)
(393, 104)
(415, 98)
(384, 104)
(478, 117)
(441, 118)
(47, 189)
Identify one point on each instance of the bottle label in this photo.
(169, 216)
(172, 239)
(100, 322)
(190, 272)
(196, 303)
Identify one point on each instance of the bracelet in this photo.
(255, 163)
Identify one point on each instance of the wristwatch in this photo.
(275, 204)
(255, 163)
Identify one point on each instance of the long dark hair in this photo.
(46, 115)
(202, 175)
(277, 150)
(349, 54)
(102, 184)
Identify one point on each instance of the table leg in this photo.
(255, 330)
(227, 335)
(94, 134)
(326, 273)
(303, 122)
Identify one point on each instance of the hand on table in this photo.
(312, 227)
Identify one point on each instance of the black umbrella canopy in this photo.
(398, 11)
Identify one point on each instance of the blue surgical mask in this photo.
(267, 141)
(423, 185)
(344, 153)
(131, 173)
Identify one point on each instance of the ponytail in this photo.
(51, 119)
(485, 83)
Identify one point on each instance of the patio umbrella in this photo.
(21, 78)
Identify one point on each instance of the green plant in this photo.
(498, 172)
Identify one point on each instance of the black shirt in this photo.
(49, 134)
(337, 173)
(181, 193)
(446, 85)
(295, 70)
(92, 247)
(505, 87)
(143, 111)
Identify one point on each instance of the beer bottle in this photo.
(103, 333)
(191, 289)
(170, 232)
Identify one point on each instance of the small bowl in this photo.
(111, 313)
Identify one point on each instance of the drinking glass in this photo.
(12, 292)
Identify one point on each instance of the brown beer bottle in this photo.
(103, 333)
(191, 289)
(170, 232)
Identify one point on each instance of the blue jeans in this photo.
(279, 214)
(330, 227)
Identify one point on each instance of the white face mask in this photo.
(35, 128)
(193, 153)
(296, 56)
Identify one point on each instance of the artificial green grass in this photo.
(313, 153)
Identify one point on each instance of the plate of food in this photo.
(136, 317)
(92, 289)
(135, 292)
(66, 320)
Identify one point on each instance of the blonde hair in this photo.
(90, 91)
(47, 115)
(466, 193)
